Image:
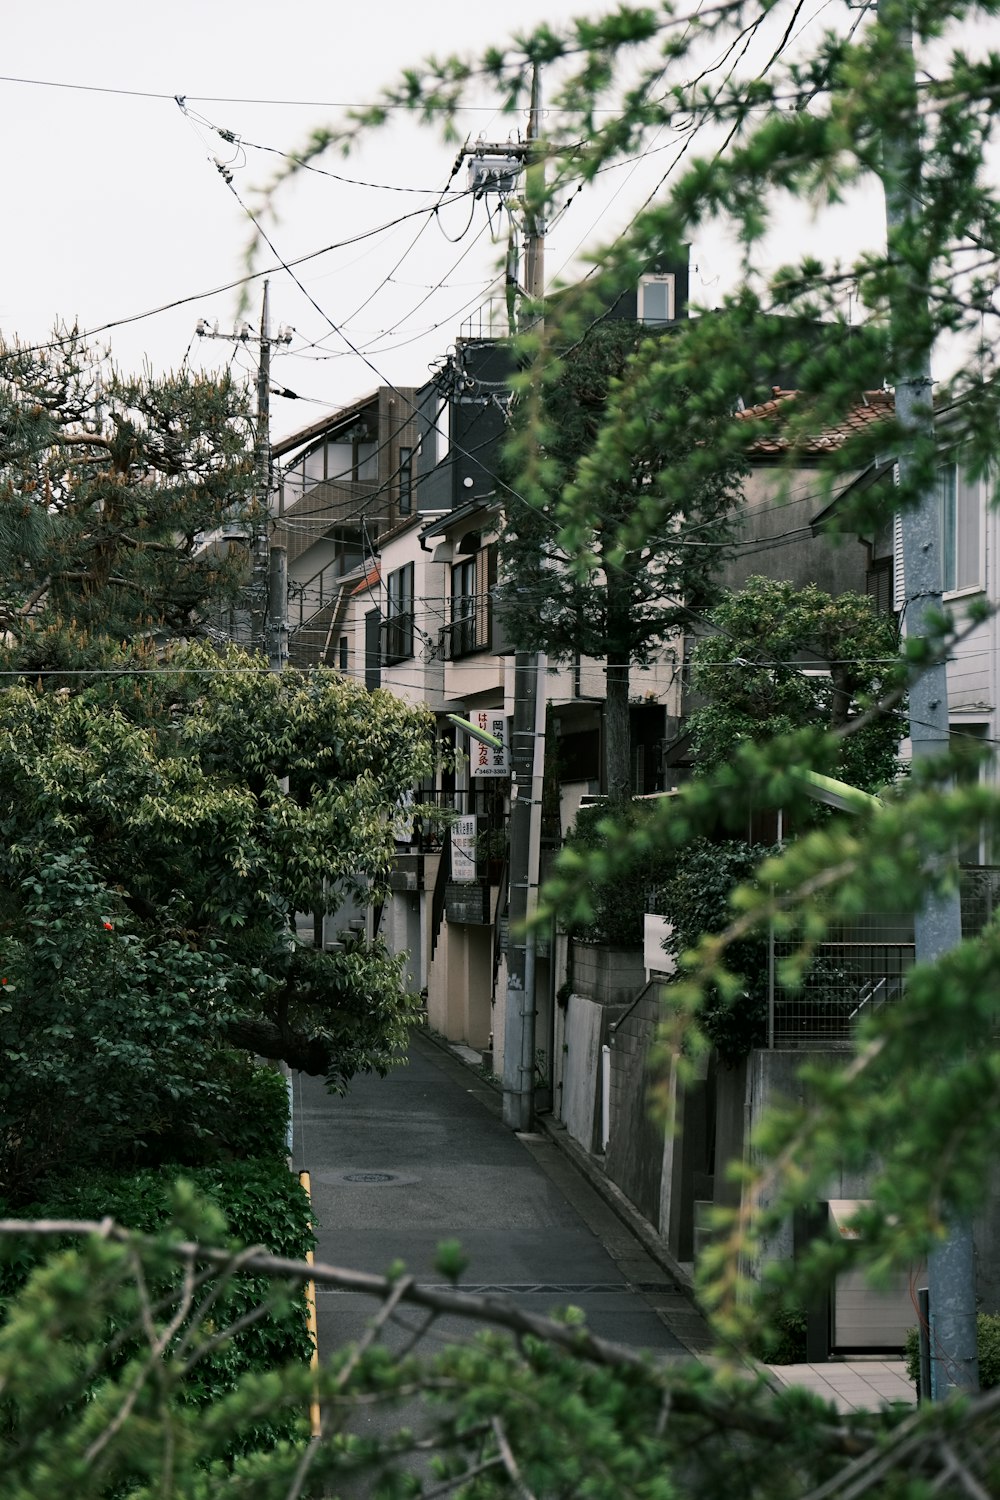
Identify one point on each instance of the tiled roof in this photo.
(874, 406)
(369, 581)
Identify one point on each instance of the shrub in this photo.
(695, 899)
(620, 904)
(784, 1342)
(250, 1121)
(987, 1346)
(263, 1205)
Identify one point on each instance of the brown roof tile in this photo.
(369, 581)
(874, 406)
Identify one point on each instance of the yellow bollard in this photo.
(315, 1419)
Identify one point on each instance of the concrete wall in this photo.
(636, 1147)
(400, 929)
(611, 976)
(772, 1078)
(459, 990)
(778, 506)
(585, 1030)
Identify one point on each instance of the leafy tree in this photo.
(781, 657)
(612, 581)
(150, 866)
(807, 118)
(108, 484)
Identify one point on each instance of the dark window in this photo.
(405, 481)
(342, 654)
(397, 629)
(471, 603)
(878, 586)
(463, 607)
(373, 677)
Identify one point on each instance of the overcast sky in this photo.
(115, 206)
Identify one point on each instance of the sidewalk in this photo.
(864, 1384)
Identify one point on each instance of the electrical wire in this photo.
(412, 246)
(82, 335)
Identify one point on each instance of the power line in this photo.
(227, 286)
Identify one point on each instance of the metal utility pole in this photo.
(938, 925)
(528, 737)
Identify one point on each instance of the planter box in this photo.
(407, 873)
(611, 976)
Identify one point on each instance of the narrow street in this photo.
(404, 1162)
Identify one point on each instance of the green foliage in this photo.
(551, 1411)
(109, 1037)
(451, 1260)
(114, 1319)
(594, 554)
(800, 657)
(987, 1348)
(149, 865)
(618, 902)
(805, 117)
(783, 1342)
(106, 485)
(611, 581)
(696, 898)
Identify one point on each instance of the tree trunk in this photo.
(617, 747)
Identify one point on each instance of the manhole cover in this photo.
(359, 1177)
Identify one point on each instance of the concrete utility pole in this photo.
(528, 736)
(260, 582)
(262, 463)
(277, 608)
(938, 925)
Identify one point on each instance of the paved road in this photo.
(404, 1162)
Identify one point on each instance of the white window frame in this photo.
(646, 282)
(961, 511)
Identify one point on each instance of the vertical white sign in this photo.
(463, 849)
(489, 760)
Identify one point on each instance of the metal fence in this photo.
(860, 967)
(852, 974)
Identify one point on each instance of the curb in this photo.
(653, 1243)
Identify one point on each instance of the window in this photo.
(961, 525)
(397, 629)
(342, 653)
(471, 603)
(966, 743)
(405, 481)
(373, 676)
(655, 301)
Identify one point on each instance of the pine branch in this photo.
(722, 1410)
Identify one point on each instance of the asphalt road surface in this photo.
(421, 1156)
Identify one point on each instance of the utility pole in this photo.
(528, 736)
(495, 167)
(260, 580)
(262, 464)
(938, 925)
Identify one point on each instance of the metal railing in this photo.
(847, 980)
